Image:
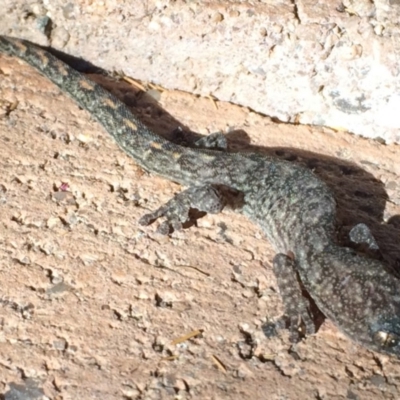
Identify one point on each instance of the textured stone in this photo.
(331, 63)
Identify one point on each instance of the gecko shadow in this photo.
(360, 197)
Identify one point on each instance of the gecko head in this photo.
(385, 335)
(370, 301)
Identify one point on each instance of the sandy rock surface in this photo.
(94, 306)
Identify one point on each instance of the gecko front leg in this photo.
(361, 234)
(205, 198)
(214, 141)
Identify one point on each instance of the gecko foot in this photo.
(205, 198)
(297, 316)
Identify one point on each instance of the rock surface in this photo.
(94, 306)
(329, 63)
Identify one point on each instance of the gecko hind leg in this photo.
(297, 316)
(205, 198)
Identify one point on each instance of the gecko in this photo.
(293, 207)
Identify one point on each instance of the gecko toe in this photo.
(299, 326)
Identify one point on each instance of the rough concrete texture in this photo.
(330, 63)
(93, 306)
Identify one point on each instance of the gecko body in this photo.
(294, 208)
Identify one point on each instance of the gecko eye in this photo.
(386, 339)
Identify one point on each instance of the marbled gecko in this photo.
(293, 207)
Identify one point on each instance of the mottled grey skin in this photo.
(293, 207)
